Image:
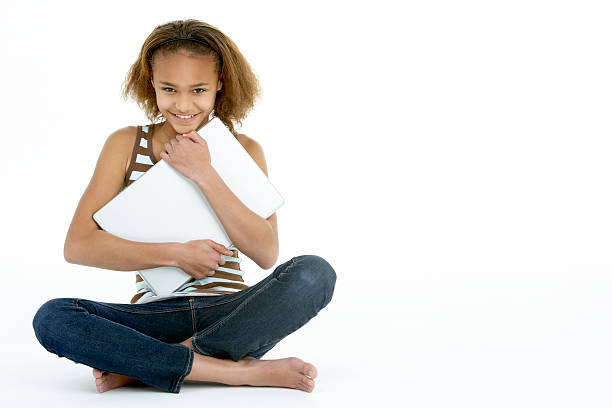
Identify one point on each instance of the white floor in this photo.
(58, 382)
(529, 341)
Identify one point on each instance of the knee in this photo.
(46, 321)
(318, 273)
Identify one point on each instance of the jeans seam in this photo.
(179, 309)
(186, 371)
(243, 292)
(289, 268)
(233, 313)
(197, 348)
(193, 318)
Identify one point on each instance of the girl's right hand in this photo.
(199, 258)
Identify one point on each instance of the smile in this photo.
(184, 118)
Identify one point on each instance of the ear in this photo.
(219, 85)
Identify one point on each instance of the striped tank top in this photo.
(227, 278)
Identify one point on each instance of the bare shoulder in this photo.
(255, 151)
(106, 182)
(122, 135)
(246, 141)
(118, 147)
(121, 142)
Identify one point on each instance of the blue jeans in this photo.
(140, 340)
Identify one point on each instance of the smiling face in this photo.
(185, 85)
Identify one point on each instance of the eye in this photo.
(172, 89)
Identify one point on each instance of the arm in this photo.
(101, 249)
(86, 243)
(255, 236)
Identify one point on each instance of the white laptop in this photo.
(165, 206)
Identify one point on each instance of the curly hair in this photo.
(240, 85)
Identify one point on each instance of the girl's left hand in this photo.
(188, 154)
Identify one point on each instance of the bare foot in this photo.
(107, 381)
(287, 372)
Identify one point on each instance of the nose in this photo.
(183, 104)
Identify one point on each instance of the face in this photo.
(185, 85)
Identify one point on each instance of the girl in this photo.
(216, 328)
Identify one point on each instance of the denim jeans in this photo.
(140, 340)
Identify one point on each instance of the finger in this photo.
(185, 139)
(168, 148)
(188, 136)
(218, 247)
(180, 138)
(193, 136)
(221, 260)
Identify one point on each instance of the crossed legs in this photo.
(287, 372)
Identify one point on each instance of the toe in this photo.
(310, 370)
(306, 384)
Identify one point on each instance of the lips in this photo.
(182, 119)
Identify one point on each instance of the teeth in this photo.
(185, 117)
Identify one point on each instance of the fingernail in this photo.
(309, 373)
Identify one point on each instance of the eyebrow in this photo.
(171, 84)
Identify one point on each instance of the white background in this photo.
(451, 160)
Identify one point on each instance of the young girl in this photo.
(216, 328)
